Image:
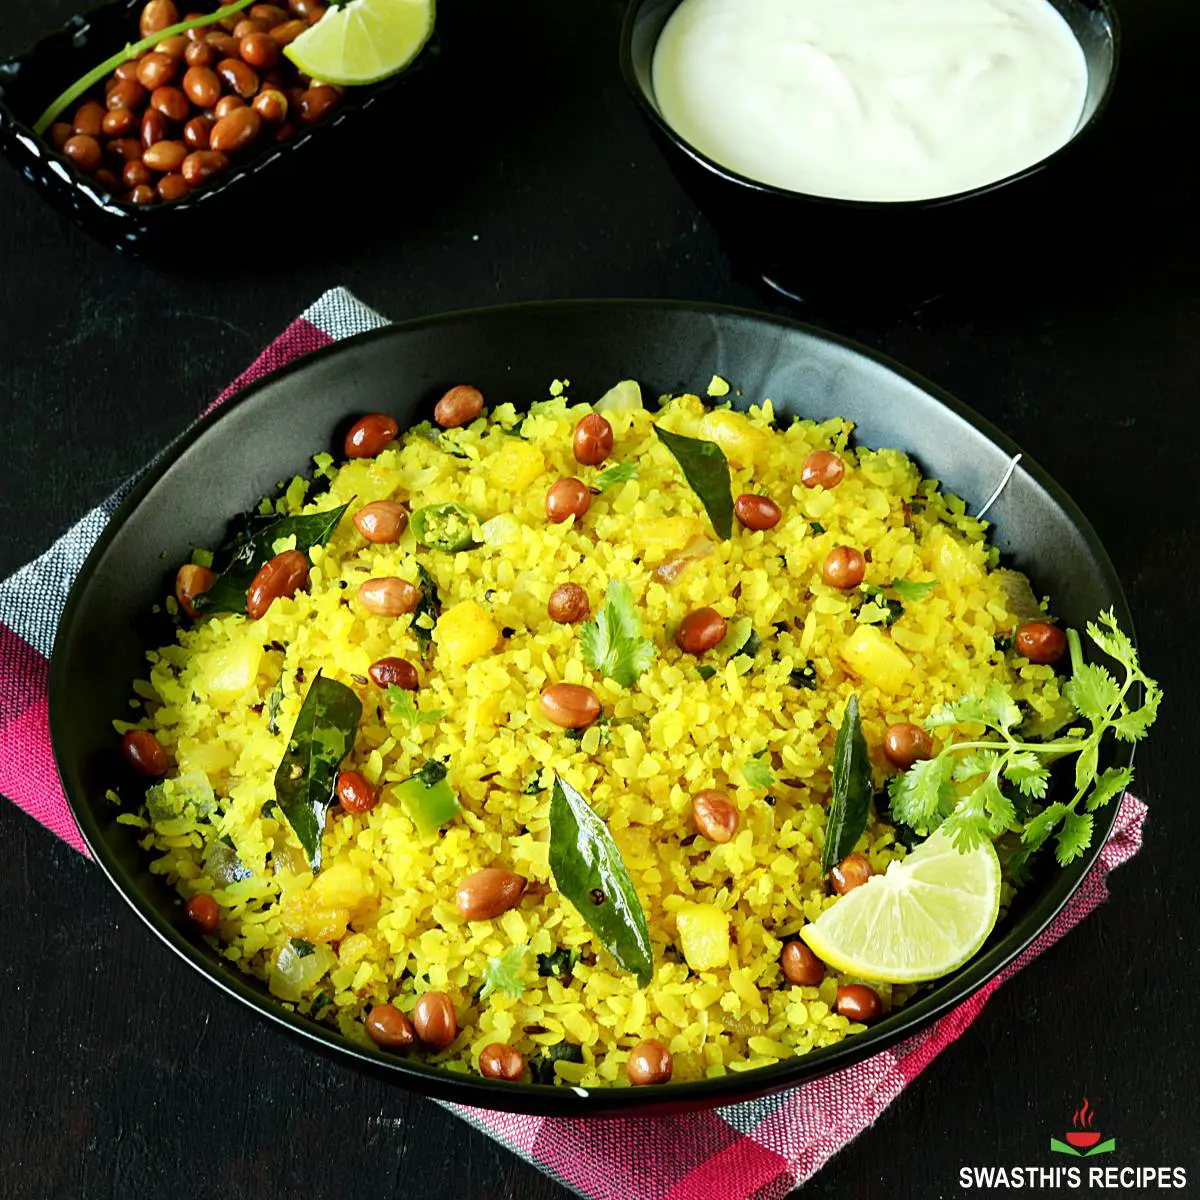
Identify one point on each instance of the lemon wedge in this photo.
(364, 41)
(923, 918)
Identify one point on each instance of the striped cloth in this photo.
(759, 1149)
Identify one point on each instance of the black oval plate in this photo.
(223, 465)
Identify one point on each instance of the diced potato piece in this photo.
(657, 537)
(304, 915)
(874, 657)
(740, 440)
(228, 671)
(953, 561)
(341, 885)
(704, 936)
(466, 633)
(516, 464)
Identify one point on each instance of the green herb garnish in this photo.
(430, 606)
(804, 677)
(705, 671)
(274, 700)
(926, 796)
(404, 708)
(302, 948)
(428, 799)
(850, 805)
(707, 471)
(911, 591)
(756, 773)
(604, 723)
(589, 871)
(622, 472)
(816, 527)
(130, 52)
(612, 641)
(559, 964)
(503, 972)
(250, 551)
(541, 1068)
(321, 738)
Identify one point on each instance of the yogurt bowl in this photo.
(862, 252)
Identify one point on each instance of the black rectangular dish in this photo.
(30, 80)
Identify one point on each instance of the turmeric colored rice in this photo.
(378, 922)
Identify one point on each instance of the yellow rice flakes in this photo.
(384, 898)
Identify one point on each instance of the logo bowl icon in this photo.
(1082, 1140)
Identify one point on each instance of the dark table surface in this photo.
(529, 177)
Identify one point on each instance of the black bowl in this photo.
(868, 254)
(223, 465)
(31, 80)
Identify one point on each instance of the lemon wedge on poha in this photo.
(923, 918)
(363, 41)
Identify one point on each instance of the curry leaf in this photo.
(850, 807)
(706, 468)
(589, 871)
(252, 550)
(321, 738)
(430, 607)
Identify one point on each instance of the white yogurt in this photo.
(871, 99)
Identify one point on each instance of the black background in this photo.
(526, 174)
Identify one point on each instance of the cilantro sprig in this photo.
(977, 790)
(504, 972)
(613, 643)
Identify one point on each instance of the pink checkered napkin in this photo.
(759, 1149)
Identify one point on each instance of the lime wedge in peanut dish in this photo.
(922, 918)
(363, 41)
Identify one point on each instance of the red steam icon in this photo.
(1081, 1135)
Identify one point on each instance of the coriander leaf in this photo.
(967, 825)
(503, 972)
(302, 948)
(912, 591)
(757, 774)
(1093, 691)
(621, 472)
(274, 700)
(850, 804)
(251, 550)
(1112, 639)
(978, 762)
(321, 738)
(559, 964)
(430, 606)
(1043, 825)
(404, 708)
(1132, 726)
(589, 872)
(1086, 765)
(612, 642)
(924, 794)
(1074, 837)
(320, 1004)
(816, 527)
(705, 671)
(1110, 783)
(1029, 774)
(967, 711)
(1000, 811)
(1000, 709)
(707, 471)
